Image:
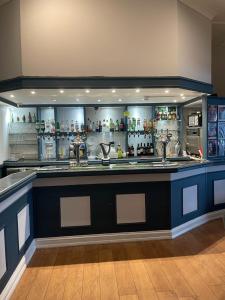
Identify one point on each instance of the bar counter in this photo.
(55, 205)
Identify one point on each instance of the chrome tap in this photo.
(106, 158)
(165, 138)
(75, 147)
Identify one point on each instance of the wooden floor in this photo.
(189, 267)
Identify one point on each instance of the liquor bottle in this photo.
(148, 149)
(144, 150)
(138, 123)
(111, 125)
(29, 118)
(93, 127)
(18, 119)
(24, 119)
(103, 126)
(62, 127)
(119, 151)
(53, 126)
(12, 118)
(132, 150)
(138, 150)
(67, 127)
(57, 127)
(97, 126)
(72, 126)
(76, 126)
(107, 127)
(121, 127)
(34, 118)
(134, 124)
(151, 152)
(129, 124)
(141, 149)
(117, 126)
(129, 150)
(100, 126)
(145, 125)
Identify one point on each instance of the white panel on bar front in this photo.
(23, 219)
(130, 208)
(190, 199)
(2, 253)
(75, 211)
(219, 191)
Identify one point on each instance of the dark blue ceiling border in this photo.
(104, 82)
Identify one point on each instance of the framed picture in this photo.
(221, 147)
(212, 147)
(221, 130)
(212, 130)
(212, 113)
(221, 112)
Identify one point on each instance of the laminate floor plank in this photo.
(91, 275)
(190, 267)
(125, 281)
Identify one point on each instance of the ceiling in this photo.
(97, 96)
(212, 9)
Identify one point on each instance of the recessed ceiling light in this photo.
(174, 100)
(54, 100)
(33, 92)
(183, 97)
(77, 100)
(167, 91)
(12, 96)
(87, 91)
(120, 100)
(113, 91)
(99, 100)
(138, 90)
(61, 91)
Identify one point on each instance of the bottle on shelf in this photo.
(121, 126)
(151, 149)
(29, 118)
(12, 118)
(119, 151)
(141, 149)
(100, 126)
(24, 118)
(62, 127)
(72, 126)
(117, 125)
(34, 118)
(104, 126)
(93, 127)
(138, 150)
(144, 150)
(132, 150)
(76, 126)
(111, 125)
(145, 126)
(138, 123)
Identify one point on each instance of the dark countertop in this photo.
(9, 183)
(16, 180)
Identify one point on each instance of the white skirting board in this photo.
(14, 279)
(128, 236)
(101, 239)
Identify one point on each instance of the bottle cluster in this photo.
(106, 125)
(141, 150)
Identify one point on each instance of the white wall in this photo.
(218, 59)
(10, 50)
(99, 37)
(194, 44)
(4, 119)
